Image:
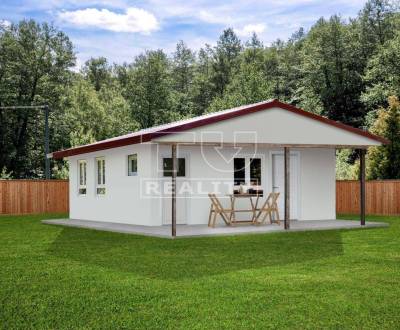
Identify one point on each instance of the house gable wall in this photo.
(272, 126)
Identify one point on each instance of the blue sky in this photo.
(121, 29)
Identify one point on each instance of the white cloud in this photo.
(5, 23)
(133, 20)
(248, 29)
(208, 17)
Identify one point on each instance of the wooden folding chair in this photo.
(269, 208)
(216, 209)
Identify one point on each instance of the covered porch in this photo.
(287, 222)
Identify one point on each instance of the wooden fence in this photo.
(41, 196)
(34, 196)
(382, 197)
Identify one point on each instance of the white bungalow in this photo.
(129, 179)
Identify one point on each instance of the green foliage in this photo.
(203, 89)
(5, 175)
(183, 65)
(376, 25)
(97, 71)
(34, 69)
(60, 171)
(93, 116)
(342, 69)
(333, 72)
(345, 170)
(384, 161)
(247, 86)
(148, 89)
(383, 74)
(225, 55)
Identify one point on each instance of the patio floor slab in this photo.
(204, 230)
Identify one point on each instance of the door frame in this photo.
(296, 153)
(163, 155)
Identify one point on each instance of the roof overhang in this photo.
(148, 135)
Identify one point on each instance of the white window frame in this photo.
(102, 184)
(82, 184)
(130, 172)
(247, 160)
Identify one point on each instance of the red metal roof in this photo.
(148, 134)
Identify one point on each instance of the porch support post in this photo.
(173, 189)
(362, 186)
(287, 187)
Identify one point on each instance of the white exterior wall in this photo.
(317, 184)
(122, 202)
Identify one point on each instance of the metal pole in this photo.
(173, 189)
(46, 141)
(362, 187)
(287, 187)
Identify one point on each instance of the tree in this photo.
(34, 69)
(382, 76)
(94, 116)
(375, 22)
(254, 49)
(182, 79)
(225, 59)
(203, 86)
(97, 71)
(384, 161)
(331, 71)
(248, 86)
(148, 89)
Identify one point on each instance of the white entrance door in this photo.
(278, 184)
(182, 199)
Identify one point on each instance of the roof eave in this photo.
(210, 120)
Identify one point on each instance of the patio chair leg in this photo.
(214, 219)
(265, 216)
(209, 216)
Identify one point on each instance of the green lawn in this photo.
(54, 277)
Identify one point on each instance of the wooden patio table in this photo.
(252, 210)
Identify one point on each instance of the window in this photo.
(132, 165)
(239, 170)
(167, 167)
(247, 171)
(255, 171)
(82, 177)
(101, 176)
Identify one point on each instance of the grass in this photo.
(55, 277)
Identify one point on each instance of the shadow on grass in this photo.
(193, 257)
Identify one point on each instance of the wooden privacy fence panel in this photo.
(52, 196)
(382, 197)
(34, 196)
